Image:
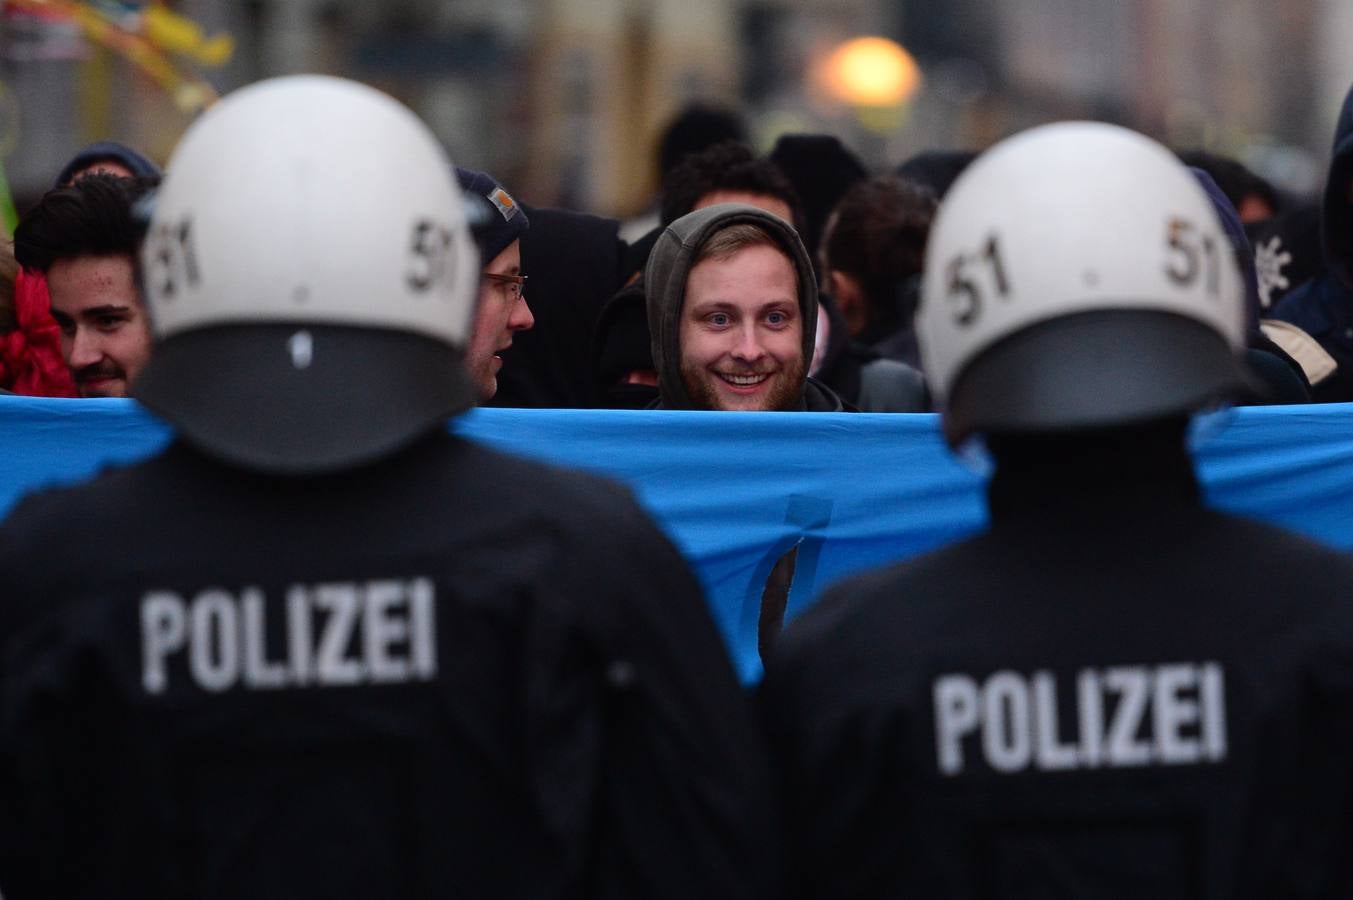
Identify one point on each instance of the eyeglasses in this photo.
(516, 284)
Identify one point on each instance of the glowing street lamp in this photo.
(872, 72)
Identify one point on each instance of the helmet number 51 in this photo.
(1192, 255)
(967, 285)
(429, 256)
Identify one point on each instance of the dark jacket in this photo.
(817, 397)
(1323, 307)
(1098, 697)
(898, 340)
(860, 375)
(622, 347)
(1278, 378)
(573, 262)
(450, 672)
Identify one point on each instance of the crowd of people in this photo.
(321, 646)
(581, 336)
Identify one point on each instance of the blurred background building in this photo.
(565, 99)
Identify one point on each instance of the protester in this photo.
(1279, 378)
(501, 309)
(1287, 251)
(732, 306)
(821, 170)
(936, 170)
(732, 303)
(871, 263)
(575, 262)
(109, 158)
(1323, 308)
(726, 172)
(696, 127)
(1114, 691)
(83, 239)
(1254, 199)
(729, 173)
(857, 374)
(31, 363)
(319, 646)
(625, 376)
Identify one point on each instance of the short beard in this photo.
(786, 397)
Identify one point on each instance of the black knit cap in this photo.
(497, 219)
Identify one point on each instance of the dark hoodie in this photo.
(1279, 377)
(1323, 307)
(573, 261)
(665, 276)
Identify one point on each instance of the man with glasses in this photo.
(501, 307)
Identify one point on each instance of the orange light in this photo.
(872, 71)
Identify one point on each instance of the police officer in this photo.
(1114, 691)
(319, 647)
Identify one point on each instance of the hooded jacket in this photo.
(1323, 307)
(669, 266)
(574, 262)
(1279, 377)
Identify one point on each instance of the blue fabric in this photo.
(736, 490)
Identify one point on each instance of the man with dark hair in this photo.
(872, 255)
(694, 129)
(84, 239)
(728, 173)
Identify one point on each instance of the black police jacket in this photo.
(453, 673)
(1114, 692)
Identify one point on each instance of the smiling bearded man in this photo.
(732, 307)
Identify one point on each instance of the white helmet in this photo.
(1077, 275)
(312, 279)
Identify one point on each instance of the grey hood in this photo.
(670, 263)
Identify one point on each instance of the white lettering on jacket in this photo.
(335, 634)
(1124, 716)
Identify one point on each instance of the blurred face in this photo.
(105, 336)
(741, 332)
(501, 310)
(773, 205)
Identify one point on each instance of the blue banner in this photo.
(735, 491)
